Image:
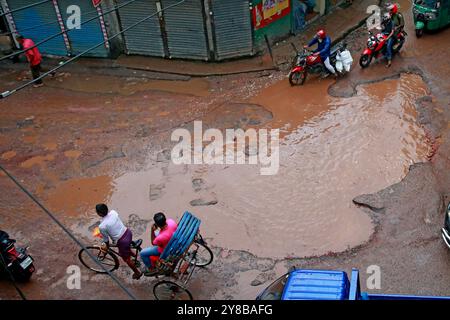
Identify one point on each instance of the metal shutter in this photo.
(89, 34)
(232, 28)
(145, 38)
(44, 18)
(185, 29)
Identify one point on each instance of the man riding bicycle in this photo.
(112, 227)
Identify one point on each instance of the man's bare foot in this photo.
(137, 276)
(388, 64)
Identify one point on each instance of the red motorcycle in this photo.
(306, 62)
(377, 45)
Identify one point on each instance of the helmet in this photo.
(393, 8)
(321, 34)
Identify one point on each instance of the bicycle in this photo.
(185, 251)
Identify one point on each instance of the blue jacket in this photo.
(323, 47)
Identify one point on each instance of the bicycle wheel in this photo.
(203, 254)
(108, 260)
(169, 290)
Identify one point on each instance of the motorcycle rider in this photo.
(388, 30)
(399, 24)
(323, 49)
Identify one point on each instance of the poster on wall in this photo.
(268, 11)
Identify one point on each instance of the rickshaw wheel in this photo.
(169, 290)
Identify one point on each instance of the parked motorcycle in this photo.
(15, 260)
(377, 45)
(306, 62)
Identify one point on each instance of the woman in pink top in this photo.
(166, 230)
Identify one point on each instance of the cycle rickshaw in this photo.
(185, 252)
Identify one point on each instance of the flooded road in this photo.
(86, 138)
(329, 155)
(130, 85)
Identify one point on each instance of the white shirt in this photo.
(112, 227)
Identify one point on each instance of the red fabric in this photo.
(153, 260)
(164, 235)
(33, 55)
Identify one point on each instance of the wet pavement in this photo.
(363, 171)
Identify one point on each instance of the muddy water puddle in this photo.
(128, 86)
(329, 155)
(79, 196)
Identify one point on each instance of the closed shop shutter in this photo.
(145, 38)
(44, 18)
(90, 33)
(232, 28)
(185, 29)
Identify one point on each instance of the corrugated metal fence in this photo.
(195, 29)
(42, 21)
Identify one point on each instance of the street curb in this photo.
(275, 67)
(202, 75)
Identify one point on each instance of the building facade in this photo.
(208, 30)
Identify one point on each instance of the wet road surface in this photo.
(81, 140)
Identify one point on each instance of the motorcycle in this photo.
(14, 260)
(377, 45)
(306, 62)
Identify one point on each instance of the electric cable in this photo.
(70, 234)
(66, 30)
(9, 92)
(24, 7)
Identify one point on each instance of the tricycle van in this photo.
(430, 15)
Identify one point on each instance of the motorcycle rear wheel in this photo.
(22, 275)
(365, 60)
(297, 78)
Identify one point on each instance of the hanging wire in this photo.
(40, 25)
(70, 234)
(24, 7)
(9, 92)
(66, 31)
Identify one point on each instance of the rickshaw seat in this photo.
(185, 233)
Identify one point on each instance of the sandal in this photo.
(151, 272)
(137, 276)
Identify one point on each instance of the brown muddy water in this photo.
(128, 86)
(333, 150)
